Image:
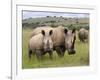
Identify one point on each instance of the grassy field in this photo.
(81, 58)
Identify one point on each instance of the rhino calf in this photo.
(83, 35)
(41, 44)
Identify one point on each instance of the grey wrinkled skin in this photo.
(63, 39)
(41, 44)
(83, 35)
(58, 40)
(70, 37)
(38, 30)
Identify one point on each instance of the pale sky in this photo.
(33, 14)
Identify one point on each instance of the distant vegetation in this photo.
(56, 21)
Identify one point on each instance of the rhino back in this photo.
(58, 36)
(38, 30)
(36, 42)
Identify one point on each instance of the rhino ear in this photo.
(65, 31)
(51, 32)
(73, 31)
(43, 32)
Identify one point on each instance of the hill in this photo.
(55, 21)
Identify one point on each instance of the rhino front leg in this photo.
(51, 54)
(39, 54)
(63, 50)
(59, 52)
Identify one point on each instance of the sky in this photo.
(33, 14)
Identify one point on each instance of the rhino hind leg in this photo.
(82, 38)
(29, 53)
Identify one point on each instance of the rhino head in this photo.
(47, 40)
(70, 37)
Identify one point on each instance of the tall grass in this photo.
(81, 58)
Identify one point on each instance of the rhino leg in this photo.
(59, 52)
(81, 38)
(50, 54)
(63, 50)
(29, 53)
(39, 54)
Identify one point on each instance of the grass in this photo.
(81, 58)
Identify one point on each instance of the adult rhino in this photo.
(40, 44)
(63, 39)
(83, 35)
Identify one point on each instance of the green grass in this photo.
(81, 58)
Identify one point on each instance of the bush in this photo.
(53, 25)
